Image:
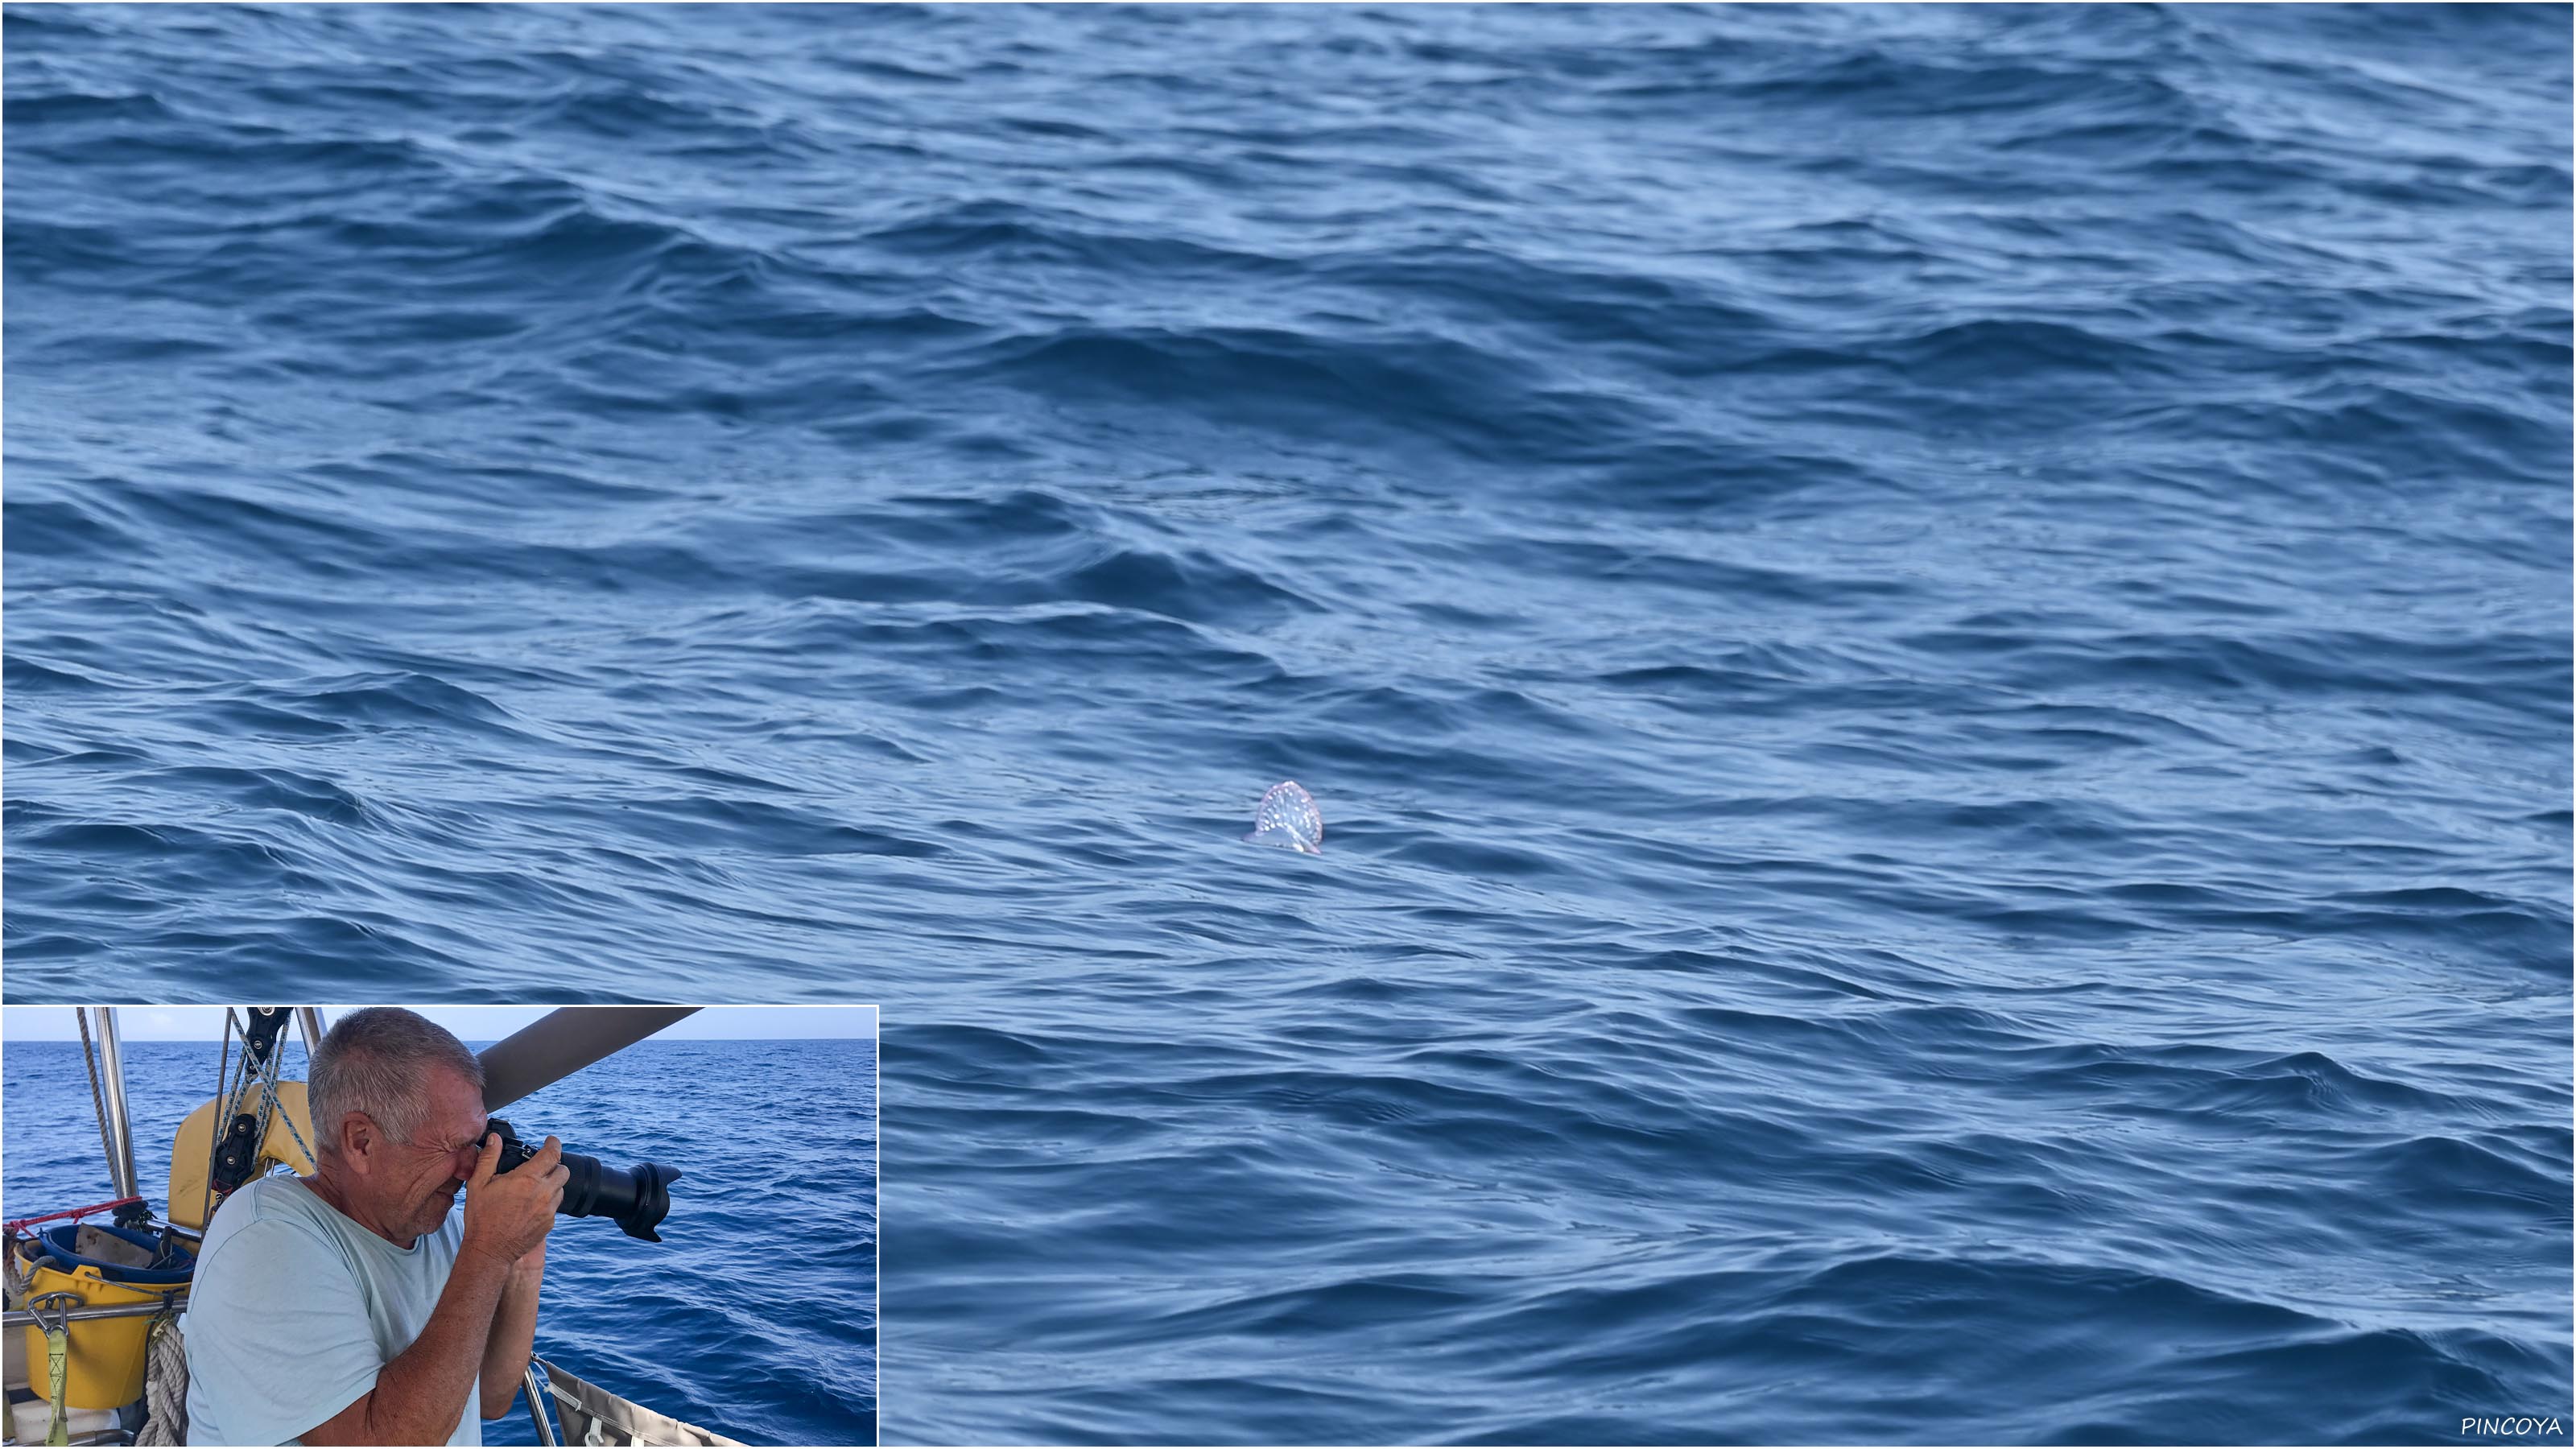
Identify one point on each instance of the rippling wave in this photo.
(1937, 642)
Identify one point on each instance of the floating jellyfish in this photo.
(1288, 817)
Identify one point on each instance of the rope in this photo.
(309, 1045)
(269, 1111)
(165, 1384)
(233, 1091)
(222, 1123)
(97, 1098)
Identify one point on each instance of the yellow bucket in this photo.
(104, 1369)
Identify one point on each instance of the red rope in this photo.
(13, 1227)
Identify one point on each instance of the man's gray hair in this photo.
(377, 1061)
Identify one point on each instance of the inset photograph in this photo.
(440, 1224)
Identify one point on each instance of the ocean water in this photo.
(1934, 645)
(755, 1316)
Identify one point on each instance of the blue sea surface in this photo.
(1934, 644)
(755, 1316)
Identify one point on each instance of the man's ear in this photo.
(359, 1140)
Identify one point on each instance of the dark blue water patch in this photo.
(1933, 642)
(756, 1316)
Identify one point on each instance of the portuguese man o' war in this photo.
(1288, 817)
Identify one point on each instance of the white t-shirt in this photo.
(295, 1310)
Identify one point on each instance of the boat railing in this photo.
(22, 1318)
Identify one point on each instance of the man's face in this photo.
(420, 1178)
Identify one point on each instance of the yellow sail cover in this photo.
(194, 1149)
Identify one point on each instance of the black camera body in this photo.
(636, 1199)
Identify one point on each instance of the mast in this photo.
(119, 1125)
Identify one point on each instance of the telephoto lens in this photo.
(635, 1199)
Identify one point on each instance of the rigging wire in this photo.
(215, 1136)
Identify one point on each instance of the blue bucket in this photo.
(58, 1244)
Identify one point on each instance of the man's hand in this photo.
(508, 1214)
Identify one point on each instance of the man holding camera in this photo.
(352, 1307)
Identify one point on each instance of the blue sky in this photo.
(470, 1023)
